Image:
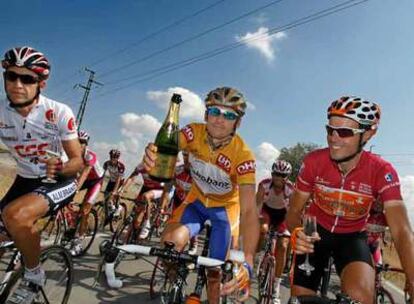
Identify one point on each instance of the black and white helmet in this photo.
(29, 58)
(281, 167)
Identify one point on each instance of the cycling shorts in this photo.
(57, 194)
(224, 224)
(343, 247)
(274, 217)
(93, 187)
(110, 186)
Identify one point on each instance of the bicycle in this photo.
(58, 284)
(267, 267)
(382, 295)
(112, 213)
(62, 228)
(173, 290)
(341, 298)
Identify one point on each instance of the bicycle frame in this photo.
(11, 266)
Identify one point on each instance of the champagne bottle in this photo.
(167, 144)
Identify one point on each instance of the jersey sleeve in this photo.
(67, 123)
(306, 177)
(246, 167)
(186, 136)
(90, 158)
(388, 184)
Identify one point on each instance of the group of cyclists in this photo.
(347, 189)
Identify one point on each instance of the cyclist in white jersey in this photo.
(90, 179)
(272, 200)
(31, 124)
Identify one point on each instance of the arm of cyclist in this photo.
(75, 163)
(165, 196)
(84, 175)
(259, 198)
(250, 229)
(297, 203)
(402, 234)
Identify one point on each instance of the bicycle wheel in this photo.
(100, 212)
(383, 296)
(266, 280)
(90, 233)
(57, 263)
(50, 230)
(158, 279)
(118, 218)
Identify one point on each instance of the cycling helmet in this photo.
(227, 97)
(29, 58)
(282, 167)
(114, 153)
(366, 113)
(83, 136)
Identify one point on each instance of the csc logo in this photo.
(31, 150)
(246, 167)
(188, 133)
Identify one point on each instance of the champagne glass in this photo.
(53, 150)
(309, 228)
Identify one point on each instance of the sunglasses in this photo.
(24, 78)
(342, 131)
(227, 114)
(279, 175)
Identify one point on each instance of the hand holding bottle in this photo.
(149, 157)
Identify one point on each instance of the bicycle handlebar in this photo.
(340, 299)
(167, 253)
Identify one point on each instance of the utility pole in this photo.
(87, 89)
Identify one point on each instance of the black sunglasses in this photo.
(24, 78)
(279, 174)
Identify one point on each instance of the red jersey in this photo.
(149, 184)
(342, 202)
(91, 159)
(183, 182)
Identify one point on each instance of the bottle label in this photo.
(164, 166)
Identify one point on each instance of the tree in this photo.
(294, 155)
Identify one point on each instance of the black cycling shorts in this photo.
(57, 194)
(343, 247)
(275, 216)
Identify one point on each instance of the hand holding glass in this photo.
(309, 228)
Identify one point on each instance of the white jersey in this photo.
(273, 200)
(48, 123)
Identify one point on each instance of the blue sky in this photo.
(289, 78)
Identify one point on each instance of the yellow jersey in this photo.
(216, 174)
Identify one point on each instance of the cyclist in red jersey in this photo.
(345, 181)
(116, 170)
(272, 200)
(150, 191)
(91, 179)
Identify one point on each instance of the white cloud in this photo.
(266, 153)
(191, 107)
(251, 106)
(262, 41)
(136, 131)
(407, 187)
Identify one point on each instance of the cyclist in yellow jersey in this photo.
(223, 188)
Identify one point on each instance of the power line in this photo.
(181, 64)
(148, 37)
(178, 44)
(161, 30)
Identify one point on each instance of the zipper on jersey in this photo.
(343, 177)
(24, 124)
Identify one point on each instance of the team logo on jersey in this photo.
(5, 126)
(188, 133)
(388, 177)
(223, 162)
(71, 124)
(246, 167)
(50, 116)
